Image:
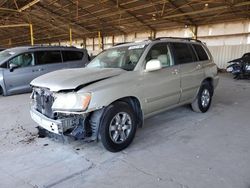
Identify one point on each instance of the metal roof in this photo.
(51, 19)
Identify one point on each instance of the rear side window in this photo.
(183, 53)
(200, 52)
(48, 57)
(72, 55)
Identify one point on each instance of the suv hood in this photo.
(70, 79)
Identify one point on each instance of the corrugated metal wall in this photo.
(223, 54)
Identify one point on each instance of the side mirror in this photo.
(12, 67)
(153, 65)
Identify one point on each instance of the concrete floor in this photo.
(178, 149)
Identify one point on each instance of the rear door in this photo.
(73, 59)
(18, 80)
(191, 70)
(161, 87)
(48, 61)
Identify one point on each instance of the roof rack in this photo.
(120, 43)
(131, 42)
(188, 39)
(50, 46)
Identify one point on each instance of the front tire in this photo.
(203, 99)
(118, 126)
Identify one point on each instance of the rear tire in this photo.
(203, 99)
(118, 126)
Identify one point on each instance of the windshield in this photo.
(125, 57)
(5, 54)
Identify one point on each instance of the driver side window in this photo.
(161, 52)
(23, 60)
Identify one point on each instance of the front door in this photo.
(161, 87)
(74, 59)
(48, 61)
(18, 79)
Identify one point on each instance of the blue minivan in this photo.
(20, 65)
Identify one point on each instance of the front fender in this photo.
(100, 99)
(105, 92)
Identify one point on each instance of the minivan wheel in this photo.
(118, 127)
(1, 91)
(203, 99)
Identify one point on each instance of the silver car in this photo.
(20, 65)
(121, 87)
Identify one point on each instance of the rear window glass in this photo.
(48, 57)
(200, 52)
(183, 53)
(72, 55)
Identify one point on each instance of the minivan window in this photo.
(4, 65)
(200, 52)
(183, 53)
(72, 55)
(48, 57)
(161, 52)
(23, 60)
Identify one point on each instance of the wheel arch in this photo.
(136, 106)
(210, 81)
(206, 80)
(95, 117)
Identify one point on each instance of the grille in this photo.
(44, 100)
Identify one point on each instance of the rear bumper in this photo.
(54, 126)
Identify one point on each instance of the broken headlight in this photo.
(75, 102)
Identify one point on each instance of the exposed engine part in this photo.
(78, 126)
(43, 100)
(79, 132)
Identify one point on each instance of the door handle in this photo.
(37, 70)
(198, 66)
(175, 71)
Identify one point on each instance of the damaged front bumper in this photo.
(58, 126)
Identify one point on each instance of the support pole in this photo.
(99, 40)
(195, 32)
(152, 34)
(102, 42)
(84, 43)
(70, 36)
(31, 35)
(113, 40)
(15, 25)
